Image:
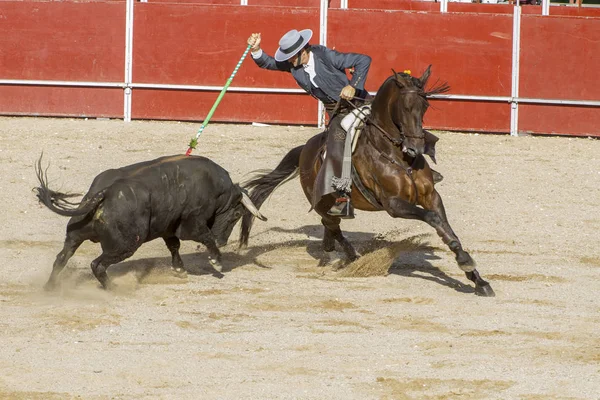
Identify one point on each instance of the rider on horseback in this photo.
(321, 72)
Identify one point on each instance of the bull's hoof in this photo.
(216, 264)
(50, 287)
(110, 287)
(484, 291)
(179, 272)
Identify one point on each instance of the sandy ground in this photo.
(281, 326)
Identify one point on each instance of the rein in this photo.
(394, 141)
(389, 137)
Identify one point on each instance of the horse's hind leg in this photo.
(435, 215)
(333, 233)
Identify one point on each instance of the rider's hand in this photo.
(348, 93)
(254, 42)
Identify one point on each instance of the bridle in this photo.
(387, 135)
(370, 120)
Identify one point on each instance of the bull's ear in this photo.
(425, 77)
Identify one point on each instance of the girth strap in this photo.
(367, 194)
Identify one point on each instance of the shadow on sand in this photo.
(410, 257)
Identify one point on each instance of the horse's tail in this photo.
(58, 202)
(261, 187)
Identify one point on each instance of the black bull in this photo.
(174, 198)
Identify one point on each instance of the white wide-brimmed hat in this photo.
(291, 43)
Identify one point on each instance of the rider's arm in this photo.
(360, 62)
(265, 61)
(262, 59)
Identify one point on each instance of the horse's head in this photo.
(400, 105)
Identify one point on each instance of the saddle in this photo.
(353, 124)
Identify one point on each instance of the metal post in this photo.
(323, 42)
(128, 60)
(344, 4)
(545, 7)
(444, 6)
(514, 104)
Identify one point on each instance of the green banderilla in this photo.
(194, 141)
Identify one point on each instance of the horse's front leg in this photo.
(434, 214)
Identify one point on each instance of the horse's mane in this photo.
(407, 81)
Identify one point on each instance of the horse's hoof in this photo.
(328, 248)
(337, 266)
(354, 257)
(50, 287)
(484, 291)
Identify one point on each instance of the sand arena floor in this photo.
(279, 325)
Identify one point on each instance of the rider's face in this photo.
(297, 59)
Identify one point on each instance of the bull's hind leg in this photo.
(106, 259)
(434, 214)
(70, 246)
(173, 244)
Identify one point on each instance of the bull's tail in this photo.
(59, 202)
(261, 187)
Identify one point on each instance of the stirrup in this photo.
(342, 208)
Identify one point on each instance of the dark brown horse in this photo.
(390, 171)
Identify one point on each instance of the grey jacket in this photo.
(330, 66)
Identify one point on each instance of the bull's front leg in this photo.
(192, 229)
(214, 254)
(173, 244)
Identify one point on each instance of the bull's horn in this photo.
(251, 207)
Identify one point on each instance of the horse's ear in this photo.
(425, 77)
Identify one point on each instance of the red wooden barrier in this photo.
(62, 40)
(405, 5)
(66, 42)
(559, 60)
(200, 44)
(61, 101)
(472, 54)
(454, 6)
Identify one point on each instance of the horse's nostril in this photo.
(411, 152)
